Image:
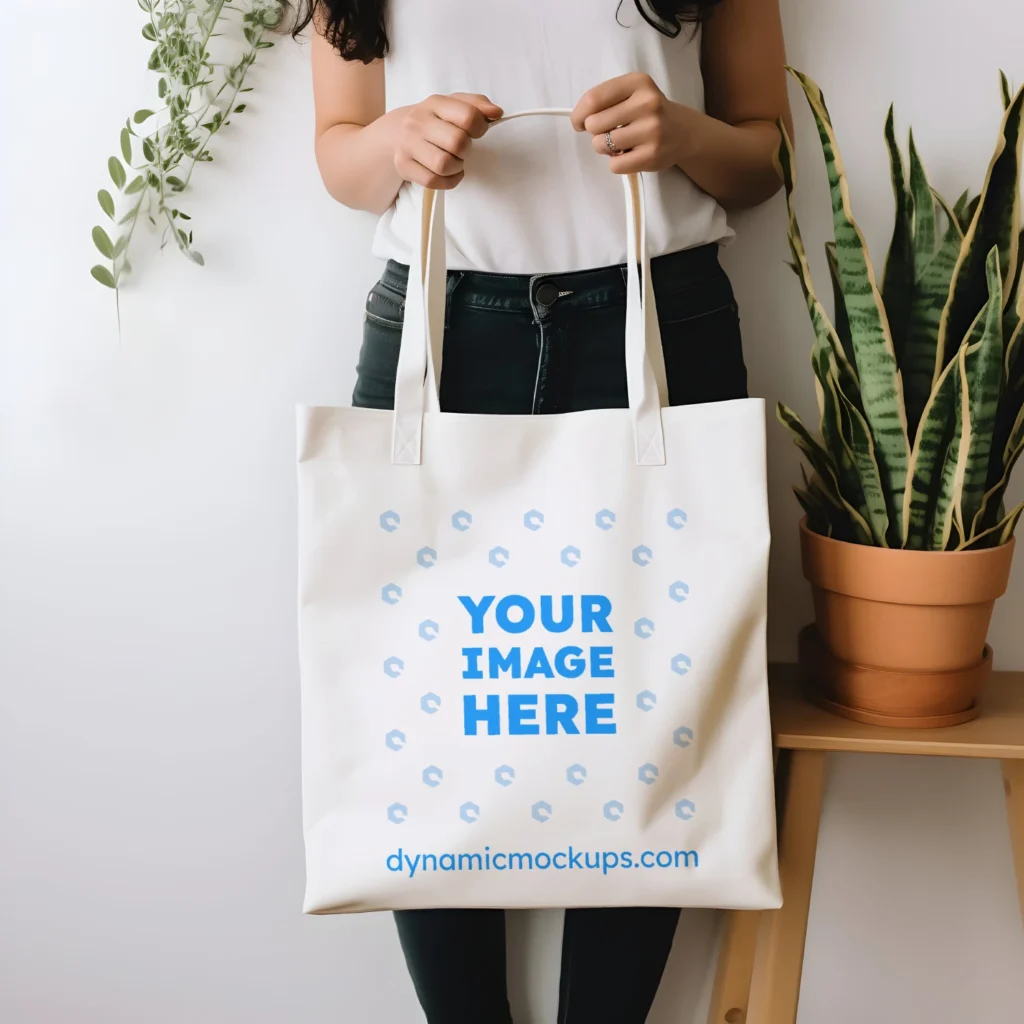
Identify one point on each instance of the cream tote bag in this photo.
(533, 648)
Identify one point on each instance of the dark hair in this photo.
(357, 28)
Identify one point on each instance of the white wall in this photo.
(150, 849)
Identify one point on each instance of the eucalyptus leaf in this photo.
(102, 242)
(117, 174)
(197, 91)
(103, 275)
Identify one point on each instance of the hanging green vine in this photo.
(161, 149)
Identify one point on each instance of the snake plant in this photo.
(919, 377)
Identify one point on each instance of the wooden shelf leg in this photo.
(778, 963)
(735, 965)
(1013, 783)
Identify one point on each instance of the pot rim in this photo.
(899, 576)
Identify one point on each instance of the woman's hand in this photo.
(434, 137)
(647, 131)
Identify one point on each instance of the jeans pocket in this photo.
(378, 365)
(704, 357)
(385, 306)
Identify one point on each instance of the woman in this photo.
(689, 93)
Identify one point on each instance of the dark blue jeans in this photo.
(546, 344)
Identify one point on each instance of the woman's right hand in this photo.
(435, 135)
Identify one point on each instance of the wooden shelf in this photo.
(998, 732)
(761, 959)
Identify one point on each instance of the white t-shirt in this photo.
(536, 197)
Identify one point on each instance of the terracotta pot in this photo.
(919, 619)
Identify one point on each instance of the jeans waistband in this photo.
(582, 289)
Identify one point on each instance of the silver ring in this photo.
(612, 148)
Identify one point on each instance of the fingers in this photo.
(468, 118)
(637, 160)
(428, 164)
(629, 136)
(437, 134)
(621, 114)
(491, 111)
(601, 97)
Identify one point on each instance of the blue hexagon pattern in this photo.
(498, 557)
(533, 520)
(571, 556)
(646, 699)
(541, 811)
(469, 812)
(430, 702)
(462, 521)
(642, 555)
(676, 519)
(432, 776)
(504, 774)
(682, 737)
(685, 810)
(647, 773)
(681, 664)
(390, 521)
(394, 667)
(391, 593)
(429, 629)
(427, 557)
(643, 628)
(576, 774)
(613, 810)
(397, 813)
(605, 519)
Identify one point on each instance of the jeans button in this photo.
(547, 294)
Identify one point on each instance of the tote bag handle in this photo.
(416, 385)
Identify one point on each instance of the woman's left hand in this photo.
(647, 131)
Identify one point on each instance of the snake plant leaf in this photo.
(945, 499)
(877, 370)
(924, 212)
(825, 333)
(994, 495)
(816, 504)
(984, 362)
(1004, 88)
(1012, 404)
(969, 211)
(824, 467)
(978, 377)
(837, 522)
(898, 276)
(951, 218)
(1015, 300)
(1014, 347)
(820, 459)
(996, 535)
(960, 209)
(839, 318)
(860, 444)
(930, 295)
(996, 223)
(836, 432)
(938, 422)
